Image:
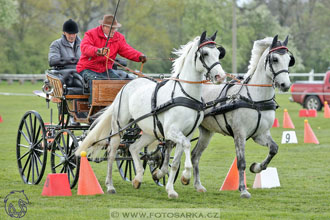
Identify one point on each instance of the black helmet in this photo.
(70, 26)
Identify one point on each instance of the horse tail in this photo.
(100, 129)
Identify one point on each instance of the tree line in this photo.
(155, 27)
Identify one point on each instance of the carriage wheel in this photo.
(31, 148)
(125, 164)
(63, 159)
(157, 164)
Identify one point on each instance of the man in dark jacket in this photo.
(64, 53)
(67, 48)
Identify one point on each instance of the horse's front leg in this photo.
(182, 145)
(241, 164)
(135, 150)
(264, 140)
(203, 141)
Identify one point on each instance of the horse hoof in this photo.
(154, 175)
(111, 191)
(173, 195)
(245, 194)
(255, 168)
(136, 184)
(185, 181)
(201, 189)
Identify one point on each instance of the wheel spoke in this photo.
(26, 163)
(126, 169)
(72, 164)
(121, 163)
(63, 141)
(67, 144)
(130, 170)
(29, 171)
(40, 162)
(36, 164)
(37, 133)
(62, 170)
(54, 153)
(33, 128)
(23, 155)
(24, 135)
(61, 163)
(22, 145)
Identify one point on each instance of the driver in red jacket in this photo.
(92, 64)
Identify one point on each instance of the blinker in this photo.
(222, 51)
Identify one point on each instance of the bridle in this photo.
(202, 58)
(270, 60)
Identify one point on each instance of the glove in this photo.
(143, 58)
(102, 51)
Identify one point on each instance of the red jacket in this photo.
(95, 39)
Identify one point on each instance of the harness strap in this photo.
(228, 127)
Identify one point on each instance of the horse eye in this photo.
(205, 54)
(275, 60)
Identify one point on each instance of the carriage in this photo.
(36, 138)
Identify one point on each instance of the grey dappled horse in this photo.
(269, 64)
(197, 59)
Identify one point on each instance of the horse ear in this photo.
(203, 36)
(285, 42)
(214, 36)
(274, 41)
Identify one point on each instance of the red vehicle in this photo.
(311, 95)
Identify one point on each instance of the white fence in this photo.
(33, 78)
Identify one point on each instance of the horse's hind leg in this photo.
(203, 141)
(264, 140)
(114, 143)
(241, 165)
(160, 173)
(135, 150)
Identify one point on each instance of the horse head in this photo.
(207, 58)
(278, 60)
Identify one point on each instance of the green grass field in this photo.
(304, 172)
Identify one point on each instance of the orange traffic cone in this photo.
(287, 123)
(1, 119)
(232, 179)
(88, 183)
(309, 136)
(326, 110)
(57, 184)
(276, 123)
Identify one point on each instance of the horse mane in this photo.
(258, 49)
(182, 53)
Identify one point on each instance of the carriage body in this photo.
(35, 138)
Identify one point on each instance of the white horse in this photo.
(197, 58)
(268, 65)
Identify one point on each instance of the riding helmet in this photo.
(70, 26)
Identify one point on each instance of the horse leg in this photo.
(241, 165)
(203, 141)
(160, 173)
(177, 136)
(114, 143)
(135, 150)
(264, 140)
(174, 168)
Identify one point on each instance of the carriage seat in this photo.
(71, 79)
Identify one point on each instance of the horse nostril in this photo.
(282, 85)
